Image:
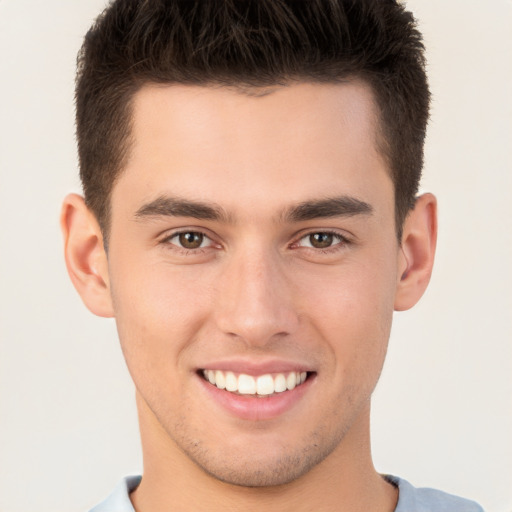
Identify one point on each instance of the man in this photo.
(250, 172)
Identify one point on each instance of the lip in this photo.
(251, 407)
(256, 368)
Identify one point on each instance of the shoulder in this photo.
(424, 499)
(119, 499)
(410, 498)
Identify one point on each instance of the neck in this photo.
(344, 481)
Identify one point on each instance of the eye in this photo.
(321, 240)
(189, 240)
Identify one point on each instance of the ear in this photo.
(85, 256)
(417, 252)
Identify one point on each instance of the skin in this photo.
(255, 291)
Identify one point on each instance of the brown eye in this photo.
(321, 240)
(191, 240)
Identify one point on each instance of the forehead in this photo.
(245, 148)
(308, 112)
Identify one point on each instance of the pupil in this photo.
(191, 240)
(321, 240)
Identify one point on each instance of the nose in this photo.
(255, 300)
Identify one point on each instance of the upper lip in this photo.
(252, 367)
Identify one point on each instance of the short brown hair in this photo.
(249, 43)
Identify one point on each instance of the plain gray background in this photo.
(442, 411)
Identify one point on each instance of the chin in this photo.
(268, 474)
(253, 469)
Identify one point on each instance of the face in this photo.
(253, 270)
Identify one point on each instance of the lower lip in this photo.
(256, 408)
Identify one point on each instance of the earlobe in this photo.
(85, 256)
(417, 252)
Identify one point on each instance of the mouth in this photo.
(266, 385)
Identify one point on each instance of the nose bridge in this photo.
(255, 302)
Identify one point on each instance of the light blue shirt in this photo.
(410, 499)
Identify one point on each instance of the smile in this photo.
(262, 385)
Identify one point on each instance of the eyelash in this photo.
(342, 242)
(183, 250)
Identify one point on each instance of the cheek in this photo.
(352, 312)
(158, 313)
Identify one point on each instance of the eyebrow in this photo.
(168, 206)
(341, 206)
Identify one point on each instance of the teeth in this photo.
(263, 385)
(291, 381)
(231, 382)
(220, 380)
(280, 383)
(246, 385)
